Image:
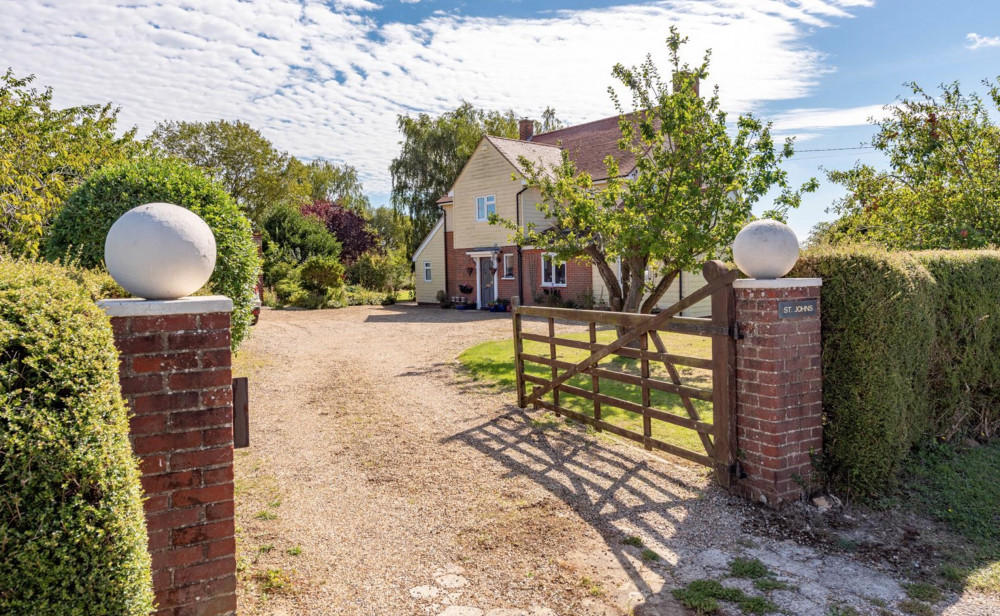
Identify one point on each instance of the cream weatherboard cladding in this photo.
(486, 173)
(431, 251)
(690, 282)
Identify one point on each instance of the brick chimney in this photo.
(526, 128)
(677, 83)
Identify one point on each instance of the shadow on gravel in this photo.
(431, 314)
(611, 491)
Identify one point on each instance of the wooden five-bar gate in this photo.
(636, 332)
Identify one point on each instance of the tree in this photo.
(433, 152)
(82, 226)
(46, 152)
(694, 188)
(337, 184)
(393, 229)
(349, 227)
(942, 187)
(549, 122)
(246, 163)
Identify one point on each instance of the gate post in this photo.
(779, 411)
(175, 376)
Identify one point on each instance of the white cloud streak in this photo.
(798, 119)
(975, 41)
(322, 80)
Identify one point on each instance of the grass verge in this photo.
(493, 362)
(960, 486)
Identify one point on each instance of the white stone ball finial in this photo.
(766, 249)
(160, 251)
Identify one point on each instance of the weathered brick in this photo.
(171, 441)
(216, 359)
(158, 403)
(205, 571)
(201, 379)
(215, 320)
(132, 345)
(221, 547)
(200, 496)
(213, 476)
(165, 362)
(202, 418)
(164, 323)
(201, 533)
(168, 482)
(201, 458)
(175, 518)
(141, 384)
(203, 340)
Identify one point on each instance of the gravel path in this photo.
(381, 481)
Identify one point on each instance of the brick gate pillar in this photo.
(175, 376)
(779, 411)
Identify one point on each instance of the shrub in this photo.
(72, 529)
(382, 272)
(909, 355)
(965, 367)
(293, 238)
(878, 332)
(321, 273)
(81, 227)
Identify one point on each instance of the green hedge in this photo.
(910, 345)
(72, 529)
(78, 233)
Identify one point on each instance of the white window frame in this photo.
(485, 201)
(551, 256)
(508, 255)
(428, 277)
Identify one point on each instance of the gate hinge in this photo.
(735, 332)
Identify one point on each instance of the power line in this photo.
(861, 147)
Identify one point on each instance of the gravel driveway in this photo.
(381, 481)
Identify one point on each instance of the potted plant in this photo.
(442, 299)
(465, 288)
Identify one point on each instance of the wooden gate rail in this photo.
(717, 438)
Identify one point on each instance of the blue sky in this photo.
(327, 78)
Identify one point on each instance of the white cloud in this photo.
(974, 41)
(356, 5)
(797, 119)
(328, 80)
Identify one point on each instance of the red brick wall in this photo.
(579, 278)
(176, 378)
(458, 262)
(779, 414)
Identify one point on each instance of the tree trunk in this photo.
(658, 291)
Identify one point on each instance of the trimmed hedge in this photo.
(72, 529)
(78, 233)
(910, 346)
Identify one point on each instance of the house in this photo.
(465, 256)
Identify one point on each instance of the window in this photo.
(553, 271)
(508, 265)
(427, 271)
(485, 206)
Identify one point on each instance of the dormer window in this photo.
(485, 206)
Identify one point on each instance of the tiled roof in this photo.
(589, 144)
(542, 155)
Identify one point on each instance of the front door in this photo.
(487, 290)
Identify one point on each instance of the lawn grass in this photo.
(960, 487)
(493, 362)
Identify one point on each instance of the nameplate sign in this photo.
(801, 308)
